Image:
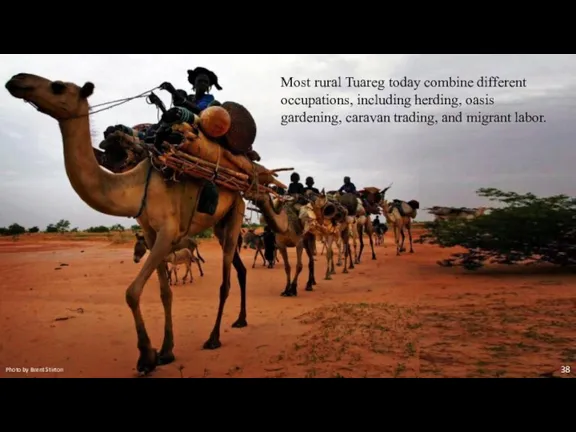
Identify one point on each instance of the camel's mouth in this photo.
(18, 88)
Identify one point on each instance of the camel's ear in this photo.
(87, 90)
(323, 192)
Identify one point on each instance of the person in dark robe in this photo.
(295, 186)
(310, 186)
(202, 81)
(348, 186)
(269, 239)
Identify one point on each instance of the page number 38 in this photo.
(565, 369)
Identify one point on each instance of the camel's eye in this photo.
(58, 87)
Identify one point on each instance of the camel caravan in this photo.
(192, 171)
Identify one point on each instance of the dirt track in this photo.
(393, 317)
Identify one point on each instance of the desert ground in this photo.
(62, 306)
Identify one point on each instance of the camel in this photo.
(336, 225)
(354, 221)
(250, 238)
(451, 213)
(399, 215)
(162, 209)
(140, 248)
(350, 203)
(174, 259)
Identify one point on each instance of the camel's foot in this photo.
(332, 271)
(345, 271)
(373, 256)
(240, 323)
(147, 361)
(212, 343)
(290, 291)
(411, 250)
(309, 286)
(165, 357)
(403, 250)
(328, 277)
(201, 274)
(338, 264)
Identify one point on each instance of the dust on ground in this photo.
(62, 306)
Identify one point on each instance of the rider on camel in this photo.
(202, 81)
(348, 186)
(310, 186)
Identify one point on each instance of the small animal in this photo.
(175, 259)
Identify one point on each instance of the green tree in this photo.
(136, 228)
(51, 228)
(63, 225)
(117, 227)
(98, 229)
(16, 229)
(525, 229)
(34, 229)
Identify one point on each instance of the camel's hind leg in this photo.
(370, 232)
(287, 269)
(255, 257)
(200, 267)
(227, 231)
(241, 271)
(161, 244)
(188, 273)
(299, 267)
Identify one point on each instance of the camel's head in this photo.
(140, 248)
(58, 99)
(371, 194)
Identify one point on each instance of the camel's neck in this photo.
(112, 194)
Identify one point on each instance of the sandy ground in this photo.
(62, 306)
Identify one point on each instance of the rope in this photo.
(118, 102)
(143, 203)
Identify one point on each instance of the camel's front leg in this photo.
(311, 272)
(370, 233)
(402, 248)
(228, 230)
(166, 354)
(409, 229)
(360, 232)
(161, 246)
(329, 257)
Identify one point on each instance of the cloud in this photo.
(438, 165)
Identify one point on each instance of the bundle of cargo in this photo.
(213, 146)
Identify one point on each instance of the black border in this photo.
(382, 402)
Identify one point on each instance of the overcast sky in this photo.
(437, 165)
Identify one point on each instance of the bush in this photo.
(526, 229)
(98, 229)
(207, 233)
